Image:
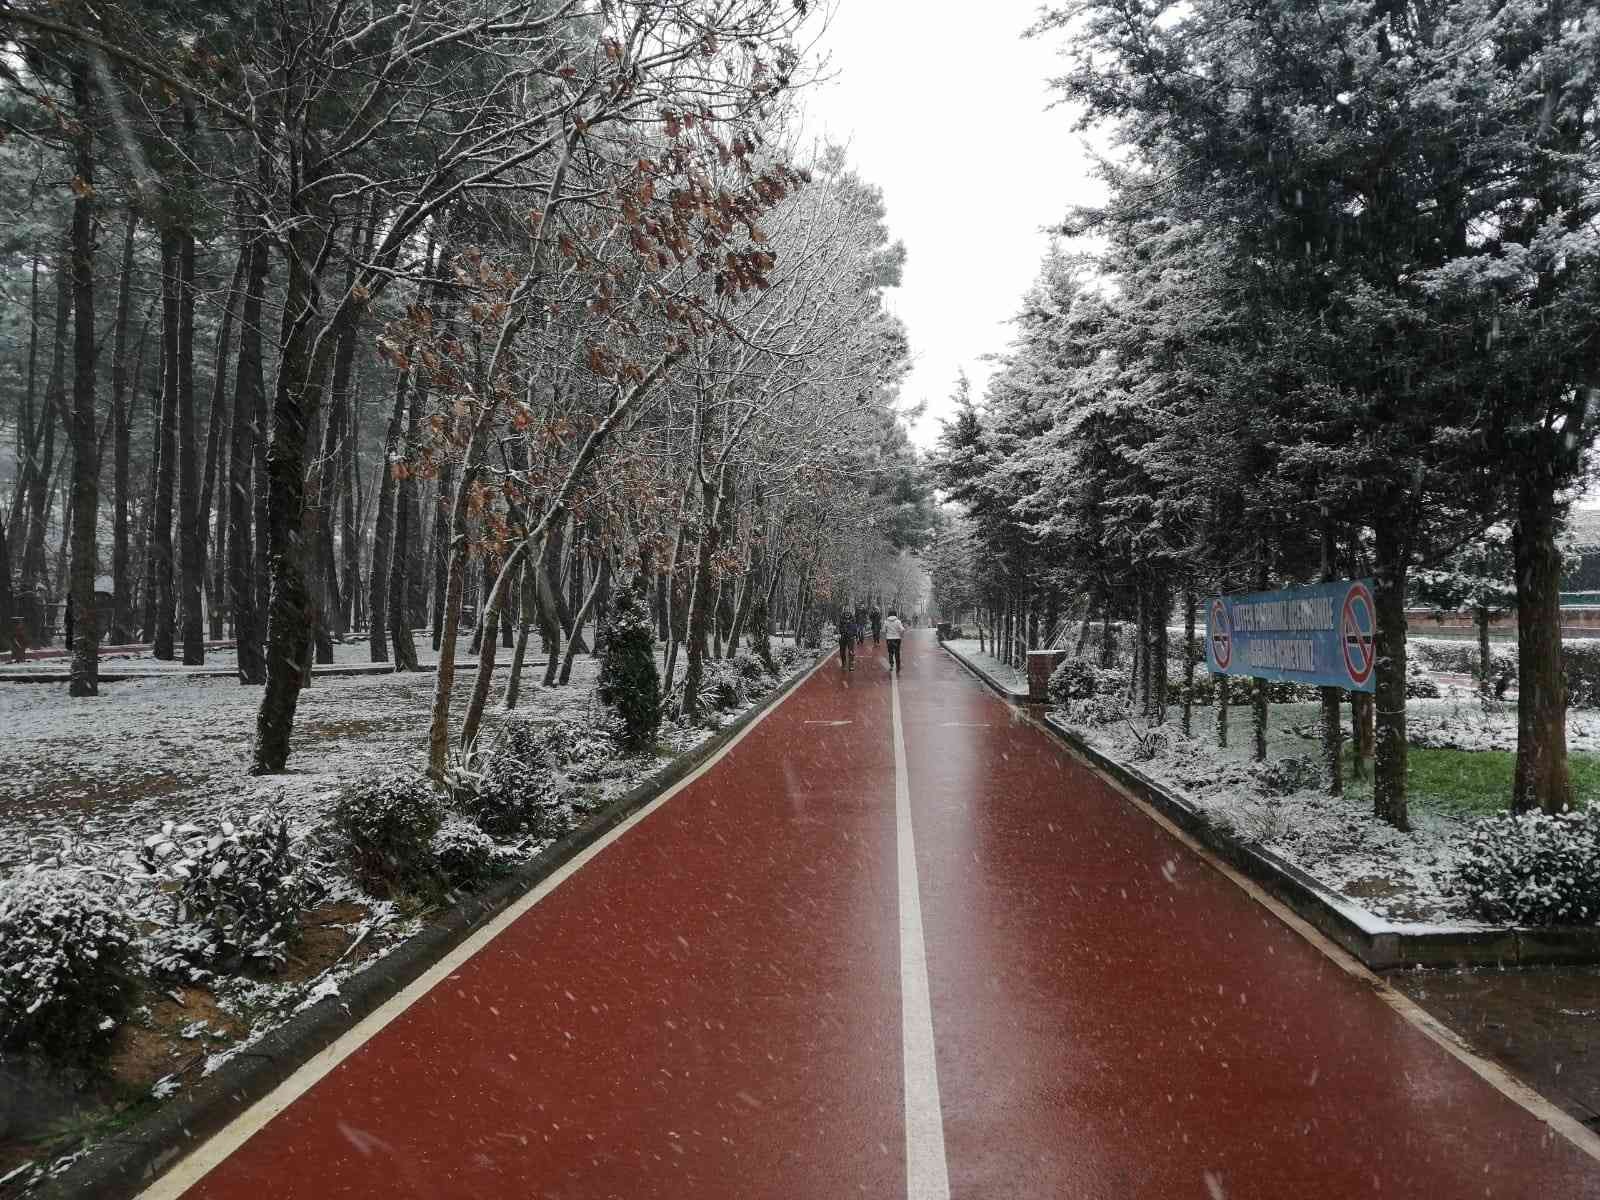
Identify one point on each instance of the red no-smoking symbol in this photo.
(1221, 635)
(1356, 628)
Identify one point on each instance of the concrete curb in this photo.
(1007, 692)
(1379, 944)
(125, 1163)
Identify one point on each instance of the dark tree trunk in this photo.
(1259, 713)
(700, 613)
(383, 529)
(296, 401)
(1480, 617)
(246, 438)
(121, 579)
(1543, 779)
(1332, 697)
(1389, 598)
(1190, 653)
(11, 637)
(43, 457)
(215, 471)
(191, 534)
(161, 556)
(440, 545)
(85, 674)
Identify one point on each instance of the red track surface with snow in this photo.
(712, 1006)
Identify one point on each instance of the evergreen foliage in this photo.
(630, 683)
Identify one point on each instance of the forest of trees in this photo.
(449, 316)
(1337, 318)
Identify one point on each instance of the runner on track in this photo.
(894, 631)
(877, 625)
(848, 634)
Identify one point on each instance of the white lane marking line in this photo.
(1496, 1076)
(927, 1174)
(829, 722)
(230, 1137)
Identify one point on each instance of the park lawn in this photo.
(1475, 783)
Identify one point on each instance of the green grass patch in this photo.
(1474, 783)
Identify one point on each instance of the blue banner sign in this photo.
(1324, 634)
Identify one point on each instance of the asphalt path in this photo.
(895, 942)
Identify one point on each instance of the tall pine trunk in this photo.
(246, 436)
(1543, 779)
(1389, 599)
(85, 675)
(160, 553)
(121, 577)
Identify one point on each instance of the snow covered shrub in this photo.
(1533, 868)
(1074, 679)
(629, 683)
(1297, 773)
(723, 687)
(237, 891)
(1149, 744)
(1104, 708)
(387, 821)
(1420, 685)
(65, 953)
(760, 643)
(1580, 662)
(467, 857)
(753, 672)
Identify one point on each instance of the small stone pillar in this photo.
(1041, 665)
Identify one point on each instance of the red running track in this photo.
(711, 1007)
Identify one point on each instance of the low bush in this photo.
(1104, 708)
(66, 952)
(723, 687)
(1297, 773)
(1534, 869)
(236, 891)
(1074, 679)
(466, 857)
(1581, 663)
(1419, 684)
(387, 822)
(751, 670)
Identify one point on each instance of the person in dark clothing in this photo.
(877, 626)
(848, 636)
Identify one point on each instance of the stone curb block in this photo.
(125, 1163)
(1378, 944)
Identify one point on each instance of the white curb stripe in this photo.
(927, 1174)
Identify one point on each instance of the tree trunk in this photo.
(121, 579)
(1480, 616)
(191, 535)
(1259, 714)
(1543, 780)
(296, 400)
(1190, 653)
(601, 574)
(246, 437)
(383, 527)
(218, 454)
(1389, 599)
(1332, 697)
(161, 556)
(699, 592)
(85, 674)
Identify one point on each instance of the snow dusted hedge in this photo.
(1535, 869)
(66, 950)
(237, 892)
(387, 822)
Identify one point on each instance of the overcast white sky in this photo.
(943, 106)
